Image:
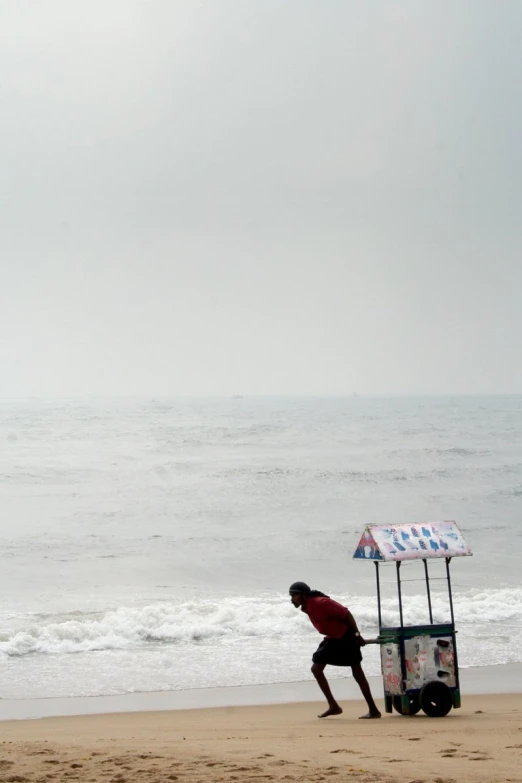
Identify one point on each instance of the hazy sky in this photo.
(260, 196)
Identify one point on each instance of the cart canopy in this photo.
(414, 541)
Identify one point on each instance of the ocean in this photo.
(148, 544)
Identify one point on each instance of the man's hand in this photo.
(361, 641)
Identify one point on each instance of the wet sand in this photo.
(506, 678)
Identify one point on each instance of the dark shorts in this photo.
(338, 652)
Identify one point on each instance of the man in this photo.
(340, 647)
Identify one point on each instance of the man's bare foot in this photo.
(370, 715)
(331, 711)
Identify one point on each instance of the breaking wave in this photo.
(213, 621)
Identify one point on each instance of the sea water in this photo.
(148, 545)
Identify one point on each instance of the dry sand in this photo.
(480, 742)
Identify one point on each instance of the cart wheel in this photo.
(435, 699)
(414, 705)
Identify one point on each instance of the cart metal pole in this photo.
(428, 588)
(378, 593)
(456, 659)
(399, 591)
(448, 561)
(401, 634)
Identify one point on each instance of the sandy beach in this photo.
(480, 742)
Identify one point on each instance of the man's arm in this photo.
(352, 625)
(341, 613)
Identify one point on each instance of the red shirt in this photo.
(327, 616)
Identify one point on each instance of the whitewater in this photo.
(147, 545)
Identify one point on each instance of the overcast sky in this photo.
(260, 196)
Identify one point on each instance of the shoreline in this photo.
(475, 681)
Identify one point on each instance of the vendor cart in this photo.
(419, 662)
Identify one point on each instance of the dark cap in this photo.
(299, 587)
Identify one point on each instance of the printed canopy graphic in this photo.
(412, 541)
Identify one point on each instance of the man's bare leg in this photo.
(333, 707)
(360, 678)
